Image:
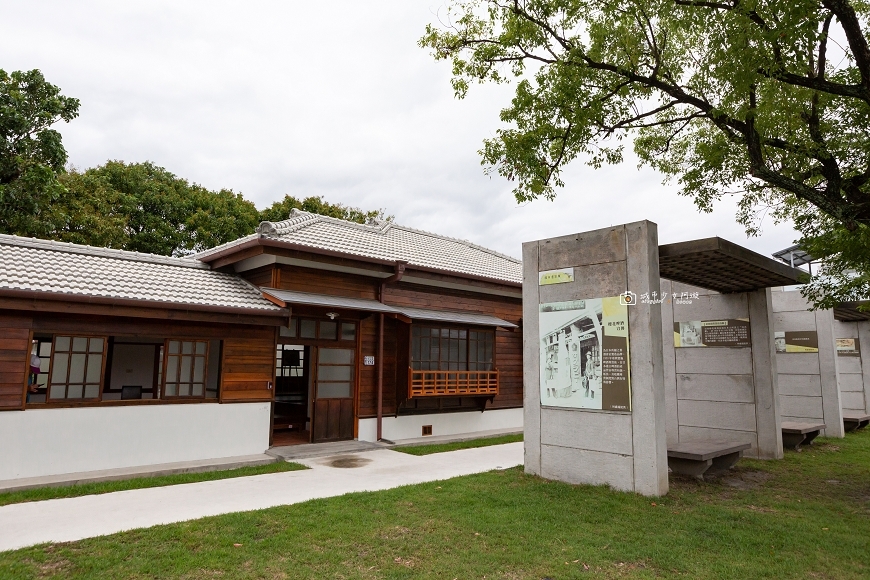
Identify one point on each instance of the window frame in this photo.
(180, 355)
(294, 336)
(67, 400)
(490, 331)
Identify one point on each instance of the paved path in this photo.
(64, 520)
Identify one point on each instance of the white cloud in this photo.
(324, 98)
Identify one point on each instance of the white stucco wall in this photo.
(411, 426)
(39, 442)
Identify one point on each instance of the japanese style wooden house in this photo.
(314, 329)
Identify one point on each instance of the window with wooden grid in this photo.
(185, 368)
(77, 368)
(451, 349)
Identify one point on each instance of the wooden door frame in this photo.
(354, 395)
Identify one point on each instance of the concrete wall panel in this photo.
(854, 401)
(803, 385)
(714, 361)
(789, 301)
(594, 281)
(730, 388)
(599, 246)
(849, 365)
(580, 466)
(798, 363)
(716, 415)
(713, 307)
(807, 407)
(560, 427)
(851, 383)
(845, 329)
(794, 321)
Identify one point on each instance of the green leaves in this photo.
(280, 210)
(31, 153)
(759, 98)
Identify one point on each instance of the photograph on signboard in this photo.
(799, 341)
(584, 354)
(848, 347)
(732, 332)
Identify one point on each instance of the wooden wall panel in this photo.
(14, 360)
(396, 340)
(326, 282)
(262, 276)
(248, 368)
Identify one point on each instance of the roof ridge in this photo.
(380, 226)
(71, 248)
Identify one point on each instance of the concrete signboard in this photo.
(594, 408)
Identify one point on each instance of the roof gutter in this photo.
(133, 302)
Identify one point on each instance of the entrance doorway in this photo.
(333, 395)
(314, 394)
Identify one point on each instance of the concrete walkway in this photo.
(64, 520)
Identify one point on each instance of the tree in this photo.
(31, 152)
(766, 99)
(145, 208)
(280, 210)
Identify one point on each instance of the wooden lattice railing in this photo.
(456, 383)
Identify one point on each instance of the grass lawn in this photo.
(807, 516)
(442, 447)
(139, 483)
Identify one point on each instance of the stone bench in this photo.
(700, 458)
(796, 434)
(854, 420)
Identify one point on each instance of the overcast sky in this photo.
(330, 98)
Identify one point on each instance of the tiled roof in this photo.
(45, 266)
(384, 240)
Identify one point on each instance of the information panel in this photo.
(848, 347)
(584, 354)
(799, 341)
(732, 332)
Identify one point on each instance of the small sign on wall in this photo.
(848, 347)
(369, 361)
(800, 341)
(560, 276)
(732, 332)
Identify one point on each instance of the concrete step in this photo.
(308, 450)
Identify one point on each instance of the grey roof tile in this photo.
(385, 240)
(46, 266)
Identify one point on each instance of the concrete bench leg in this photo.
(689, 466)
(793, 440)
(809, 437)
(723, 463)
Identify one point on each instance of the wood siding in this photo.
(508, 344)
(249, 368)
(15, 336)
